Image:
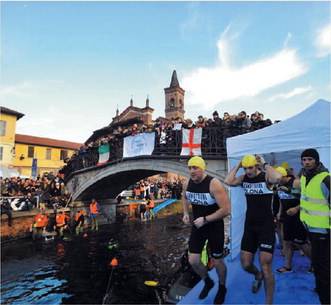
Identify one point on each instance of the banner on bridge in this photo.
(191, 142)
(141, 144)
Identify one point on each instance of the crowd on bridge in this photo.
(168, 136)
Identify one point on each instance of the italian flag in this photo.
(103, 154)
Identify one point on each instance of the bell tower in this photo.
(174, 99)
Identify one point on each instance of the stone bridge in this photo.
(107, 181)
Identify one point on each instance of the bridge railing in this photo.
(212, 147)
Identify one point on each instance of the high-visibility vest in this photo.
(151, 204)
(314, 207)
(60, 220)
(94, 208)
(40, 221)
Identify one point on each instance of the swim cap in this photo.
(285, 165)
(281, 170)
(198, 162)
(248, 161)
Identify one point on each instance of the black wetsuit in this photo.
(259, 229)
(203, 204)
(293, 229)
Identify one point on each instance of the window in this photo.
(63, 154)
(1, 152)
(48, 153)
(30, 152)
(3, 128)
(172, 103)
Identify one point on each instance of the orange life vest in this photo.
(60, 220)
(151, 204)
(94, 208)
(40, 221)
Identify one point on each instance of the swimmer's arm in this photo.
(222, 199)
(296, 183)
(231, 178)
(272, 175)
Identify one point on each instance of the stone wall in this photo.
(20, 226)
(22, 221)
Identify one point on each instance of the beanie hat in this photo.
(215, 113)
(311, 152)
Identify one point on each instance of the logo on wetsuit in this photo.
(200, 198)
(256, 188)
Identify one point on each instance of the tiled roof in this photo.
(20, 138)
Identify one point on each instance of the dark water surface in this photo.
(77, 271)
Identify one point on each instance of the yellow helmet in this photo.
(198, 162)
(281, 170)
(248, 161)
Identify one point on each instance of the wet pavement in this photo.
(77, 271)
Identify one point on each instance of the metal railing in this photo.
(212, 147)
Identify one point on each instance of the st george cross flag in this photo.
(191, 142)
(103, 154)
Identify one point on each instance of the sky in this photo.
(68, 65)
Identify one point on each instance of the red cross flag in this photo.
(191, 142)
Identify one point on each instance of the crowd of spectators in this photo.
(23, 194)
(168, 136)
(157, 188)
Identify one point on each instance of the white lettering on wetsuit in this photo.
(256, 188)
(200, 198)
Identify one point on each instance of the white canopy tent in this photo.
(282, 142)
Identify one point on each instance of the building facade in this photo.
(49, 154)
(174, 106)
(8, 120)
(18, 152)
(143, 114)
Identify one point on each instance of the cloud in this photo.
(211, 85)
(191, 23)
(292, 93)
(19, 90)
(27, 89)
(323, 41)
(287, 40)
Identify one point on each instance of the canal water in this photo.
(77, 271)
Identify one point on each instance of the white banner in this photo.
(141, 144)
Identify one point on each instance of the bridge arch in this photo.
(107, 181)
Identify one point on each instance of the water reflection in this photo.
(77, 271)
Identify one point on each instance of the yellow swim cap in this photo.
(248, 161)
(198, 162)
(281, 170)
(285, 165)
